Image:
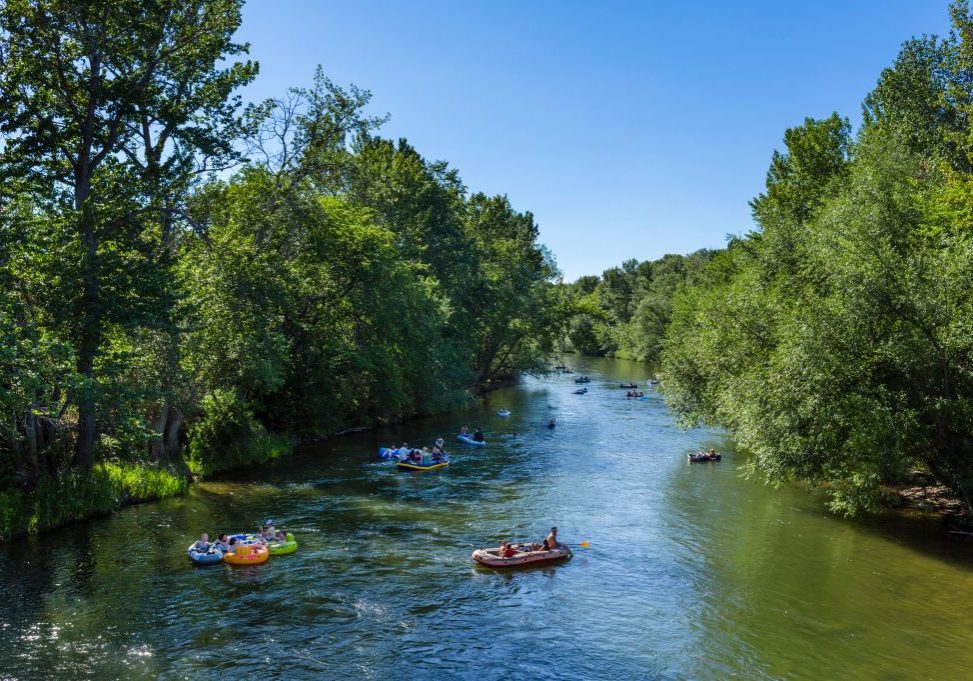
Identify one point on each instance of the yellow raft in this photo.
(247, 554)
(406, 466)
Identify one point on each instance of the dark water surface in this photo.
(692, 572)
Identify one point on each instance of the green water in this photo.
(692, 572)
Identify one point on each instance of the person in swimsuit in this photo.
(551, 542)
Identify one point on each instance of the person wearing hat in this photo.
(551, 542)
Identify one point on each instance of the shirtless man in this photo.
(551, 542)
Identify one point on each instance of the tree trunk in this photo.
(173, 426)
(84, 453)
(157, 445)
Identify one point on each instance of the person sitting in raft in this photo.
(551, 424)
(222, 543)
(440, 443)
(415, 456)
(477, 435)
(437, 455)
(506, 550)
(280, 537)
(424, 456)
(202, 544)
(465, 430)
(402, 453)
(550, 541)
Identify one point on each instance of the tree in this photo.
(104, 106)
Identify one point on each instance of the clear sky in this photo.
(630, 129)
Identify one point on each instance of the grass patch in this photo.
(72, 496)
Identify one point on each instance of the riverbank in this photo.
(112, 486)
(55, 502)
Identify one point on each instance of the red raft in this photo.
(491, 557)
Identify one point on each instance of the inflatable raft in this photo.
(247, 554)
(470, 441)
(211, 557)
(503, 412)
(411, 466)
(700, 457)
(491, 557)
(582, 391)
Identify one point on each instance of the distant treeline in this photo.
(624, 312)
(836, 340)
(190, 284)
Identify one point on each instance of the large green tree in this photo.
(835, 341)
(106, 106)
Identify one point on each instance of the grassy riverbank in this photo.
(75, 496)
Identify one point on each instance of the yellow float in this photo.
(247, 554)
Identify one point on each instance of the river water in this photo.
(692, 572)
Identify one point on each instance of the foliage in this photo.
(836, 341)
(155, 313)
(74, 495)
(624, 313)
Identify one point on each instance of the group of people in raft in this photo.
(421, 457)
(225, 543)
(508, 550)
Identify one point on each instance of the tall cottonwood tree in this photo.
(106, 106)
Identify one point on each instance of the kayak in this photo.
(491, 557)
(280, 548)
(247, 554)
(470, 441)
(700, 457)
(408, 466)
(503, 412)
(211, 557)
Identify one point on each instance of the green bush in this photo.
(228, 436)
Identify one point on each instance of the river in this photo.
(692, 571)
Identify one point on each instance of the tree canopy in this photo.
(835, 340)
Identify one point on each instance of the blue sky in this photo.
(629, 129)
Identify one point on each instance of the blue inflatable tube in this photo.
(210, 557)
(470, 441)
